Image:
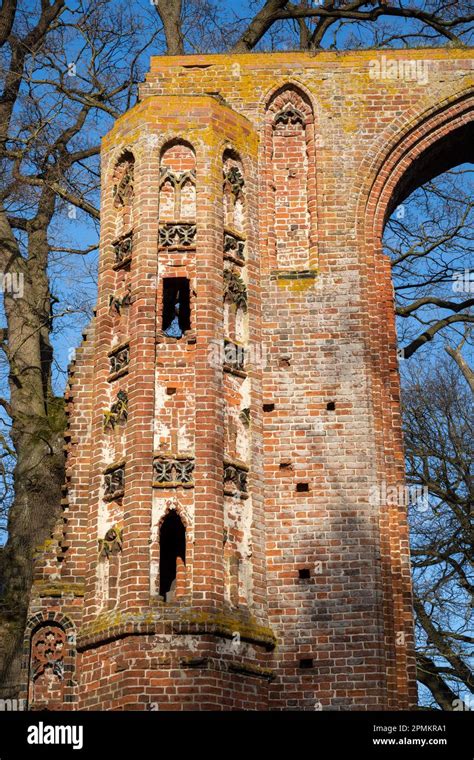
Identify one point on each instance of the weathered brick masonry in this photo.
(236, 399)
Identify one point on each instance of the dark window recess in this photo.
(306, 663)
(304, 572)
(268, 407)
(176, 306)
(331, 406)
(172, 556)
(302, 487)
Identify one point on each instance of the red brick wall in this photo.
(296, 588)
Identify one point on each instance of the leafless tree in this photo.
(311, 25)
(67, 73)
(437, 405)
(68, 70)
(430, 240)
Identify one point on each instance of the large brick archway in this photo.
(430, 143)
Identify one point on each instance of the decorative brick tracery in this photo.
(234, 247)
(177, 183)
(119, 359)
(49, 649)
(114, 482)
(123, 248)
(177, 235)
(235, 478)
(169, 471)
(47, 652)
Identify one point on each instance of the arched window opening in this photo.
(289, 145)
(172, 557)
(178, 183)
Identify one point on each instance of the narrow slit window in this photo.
(176, 307)
(172, 557)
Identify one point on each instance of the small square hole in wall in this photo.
(170, 391)
(268, 407)
(331, 406)
(304, 573)
(306, 663)
(285, 465)
(302, 487)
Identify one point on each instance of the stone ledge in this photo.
(117, 625)
(251, 670)
(57, 589)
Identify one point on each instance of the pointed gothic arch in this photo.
(290, 174)
(172, 568)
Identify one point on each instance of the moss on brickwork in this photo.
(108, 624)
(58, 589)
(133, 126)
(296, 284)
(229, 624)
(105, 621)
(47, 544)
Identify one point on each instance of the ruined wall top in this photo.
(244, 79)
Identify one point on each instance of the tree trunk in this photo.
(169, 12)
(38, 422)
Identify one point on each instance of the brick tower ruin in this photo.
(234, 405)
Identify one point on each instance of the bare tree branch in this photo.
(406, 311)
(260, 24)
(442, 645)
(429, 334)
(441, 26)
(455, 353)
(428, 674)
